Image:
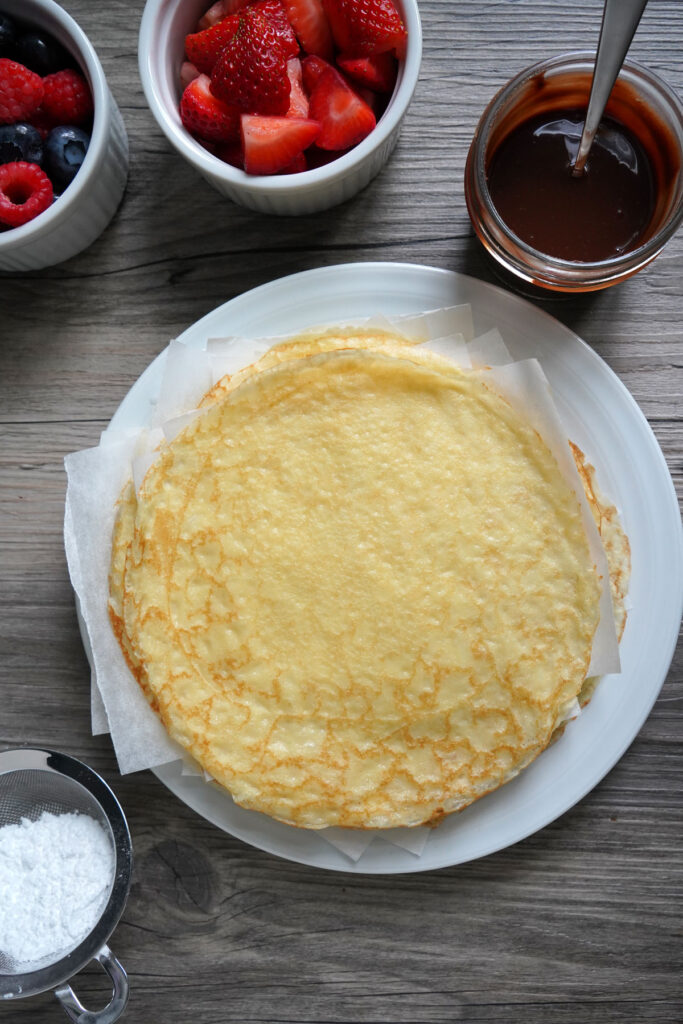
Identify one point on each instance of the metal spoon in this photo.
(619, 23)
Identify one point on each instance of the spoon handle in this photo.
(619, 23)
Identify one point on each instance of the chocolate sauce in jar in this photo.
(601, 214)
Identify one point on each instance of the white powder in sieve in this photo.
(55, 877)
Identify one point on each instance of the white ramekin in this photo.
(82, 212)
(165, 23)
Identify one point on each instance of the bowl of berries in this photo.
(63, 145)
(284, 106)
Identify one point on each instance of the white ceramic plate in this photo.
(604, 420)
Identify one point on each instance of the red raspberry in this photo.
(25, 191)
(67, 98)
(21, 92)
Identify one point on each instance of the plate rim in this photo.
(192, 336)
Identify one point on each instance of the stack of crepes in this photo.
(360, 585)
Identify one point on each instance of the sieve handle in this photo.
(75, 1010)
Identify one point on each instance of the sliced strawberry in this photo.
(297, 165)
(211, 17)
(313, 68)
(276, 13)
(298, 100)
(364, 27)
(251, 72)
(220, 10)
(231, 153)
(316, 157)
(204, 48)
(377, 72)
(205, 115)
(188, 73)
(271, 143)
(342, 33)
(345, 119)
(373, 99)
(311, 26)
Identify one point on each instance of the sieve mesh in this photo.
(27, 793)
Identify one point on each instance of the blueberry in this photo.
(8, 36)
(20, 142)
(65, 149)
(40, 53)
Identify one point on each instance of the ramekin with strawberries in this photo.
(285, 106)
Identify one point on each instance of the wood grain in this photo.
(580, 923)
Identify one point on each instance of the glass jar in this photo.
(642, 102)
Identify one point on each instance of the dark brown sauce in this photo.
(603, 213)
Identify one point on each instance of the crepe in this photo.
(314, 341)
(356, 588)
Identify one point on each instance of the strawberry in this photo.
(298, 100)
(25, 191)
(205, 115)
(251, 73)
(21, 92)
(373, 99)
(297, 165)
(204, 48)
(311, 26)
(271, 143)
(188, 73)
(231, 153)
(67, 98)
(364, 27)
(345, 119)
(320, 157)
(377, 72)
(211, 17)
(313, 69)
(275, 12)
(221, 9)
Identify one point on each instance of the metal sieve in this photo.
(35, 780)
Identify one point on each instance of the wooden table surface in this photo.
(580, 922)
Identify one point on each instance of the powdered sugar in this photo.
(55, 878)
